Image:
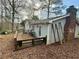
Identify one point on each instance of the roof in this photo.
(47, 21)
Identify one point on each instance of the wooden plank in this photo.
(32, 39)
(19, 43)
(60, 25)
(57, 32)
(54, 32)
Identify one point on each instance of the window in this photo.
(39, 30)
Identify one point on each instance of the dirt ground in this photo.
(20, 36)
(68, 50)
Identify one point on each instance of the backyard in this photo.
(39, 29)
(68, 50)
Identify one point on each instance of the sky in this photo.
(65, 2)
(71, 2)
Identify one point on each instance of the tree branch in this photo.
(10, 3)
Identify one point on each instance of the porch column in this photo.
(69, 29)
(49, 35)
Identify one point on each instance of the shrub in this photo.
(4, 32)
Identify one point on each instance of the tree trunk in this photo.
(1, 26)
(13, 8)
(48, 9)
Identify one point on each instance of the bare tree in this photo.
(48, 5)
(1, 18)
(14, 8)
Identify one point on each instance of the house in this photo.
(52, 28)
(56, 29)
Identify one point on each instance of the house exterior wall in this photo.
(28, 26)
(42, 29)
(50, 38)
(36, 30)
(77, 31)
(56, 31)
(59, 28)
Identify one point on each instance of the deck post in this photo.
(15, 41)
(45, 39)
(33, 43)
(49, 35)
(19, 43)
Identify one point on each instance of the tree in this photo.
(1, 18)
(13, 7)
(22, 8)
(35, 18)
(56, 9)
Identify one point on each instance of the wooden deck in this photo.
(25, 40)
(24, 36)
